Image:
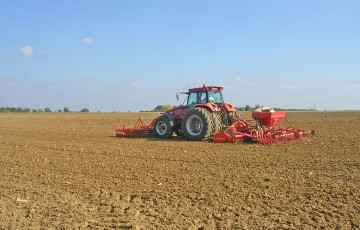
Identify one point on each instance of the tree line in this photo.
(249, 108)
(164, 108)
(159, 108)
(28, 110)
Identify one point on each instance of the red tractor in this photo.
(203, 115)
(206, 116)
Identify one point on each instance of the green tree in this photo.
(66, 110)
(48, 110)
(84, 110)
(163, 108)
(247, 108)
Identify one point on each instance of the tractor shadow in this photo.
(153, 138)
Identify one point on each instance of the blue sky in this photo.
(119, 55)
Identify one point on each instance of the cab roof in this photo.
(206, 88)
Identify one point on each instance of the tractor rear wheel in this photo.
(162, 127)
(197, 124)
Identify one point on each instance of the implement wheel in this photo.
(162, 127)
(197, 124)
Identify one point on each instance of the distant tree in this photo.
(66, 110)
(14, 110)
(84, 110)
(257, 107)
(48, 110)
(59, 110)
(247, 108)
(163, 108)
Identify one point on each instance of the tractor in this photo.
(203, 115)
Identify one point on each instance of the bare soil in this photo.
(67, 170)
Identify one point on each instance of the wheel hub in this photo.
(194, 125)
(161, 128)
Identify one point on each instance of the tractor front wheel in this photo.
(162, 127)
(197, 124)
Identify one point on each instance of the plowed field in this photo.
(68, 171)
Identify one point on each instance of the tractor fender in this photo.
(229, 108)
(209, 106)
(171, 119)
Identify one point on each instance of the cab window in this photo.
(203, 97)
(193, 99)
(215, 97)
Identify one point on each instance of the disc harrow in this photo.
(140, 126)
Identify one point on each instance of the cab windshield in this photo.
(215, 97)
(205, 97)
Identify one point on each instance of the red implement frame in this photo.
(139, 127)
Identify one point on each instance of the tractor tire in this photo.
(162, 127)
(237, 114)
(197, 124)
(217, 122)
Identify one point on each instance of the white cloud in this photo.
(238, 80)
(227, 87)
(88, 40)
(241, 82)
(290, 87)
(354, 86)
(135, 85)
(27, 51)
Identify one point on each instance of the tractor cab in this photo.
(202, 95)
(212, 95)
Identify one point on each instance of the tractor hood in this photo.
(177, 112)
